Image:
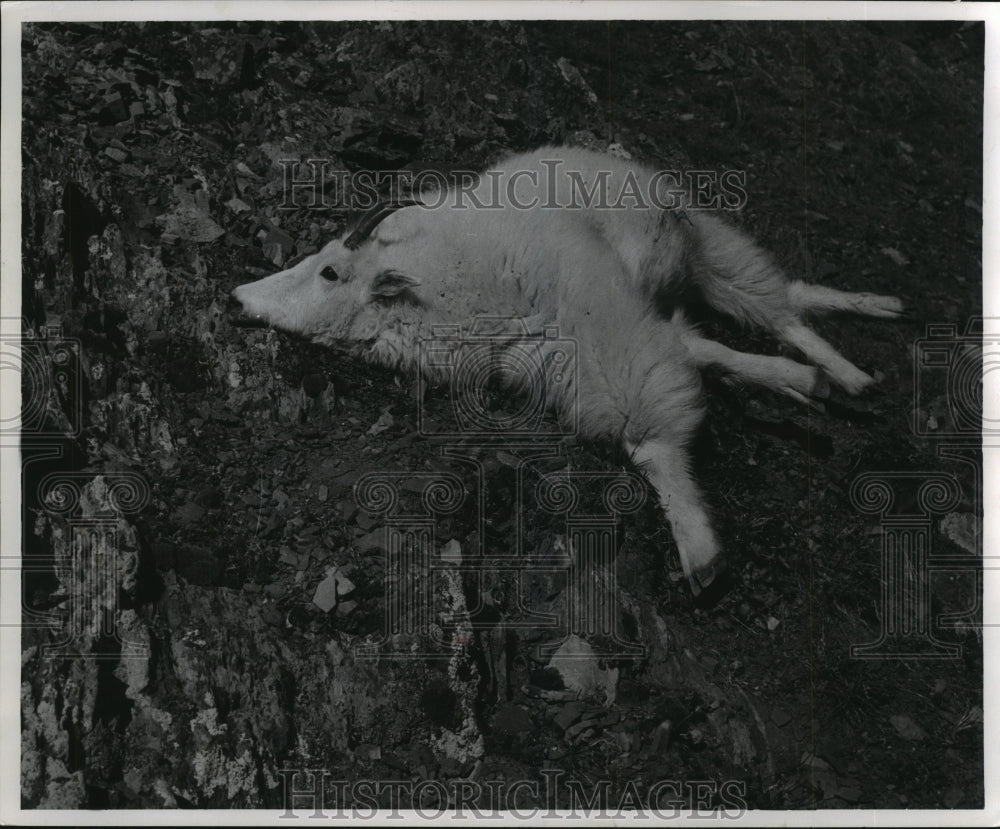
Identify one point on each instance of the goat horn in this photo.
(371, 217)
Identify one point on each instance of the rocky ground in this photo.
(249, 582)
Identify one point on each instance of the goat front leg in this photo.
(666, 467)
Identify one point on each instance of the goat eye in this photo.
(329, 274)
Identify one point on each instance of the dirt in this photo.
(150, 191)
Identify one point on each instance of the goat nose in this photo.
(239, 316)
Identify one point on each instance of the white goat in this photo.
(504, 248)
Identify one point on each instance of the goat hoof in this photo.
(821, 388)
(709, 584)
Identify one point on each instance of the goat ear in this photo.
(388, 284)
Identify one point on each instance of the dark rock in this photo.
(272, 616)
(907, 728)
(113, 110)
(583, 727)
(366, 521)
(314, 384)
(100, 378)
(275, 522)
(277, 246)
(440, 704)
(198, 565)
(548, 679)
(569, 714)
(164, 555)
(780, 717)
(189, 513)
(375, 540)
(210, 497)
(345, 481)
(511, 719)
(374, 156)
(157, 340)
(348, 508)
(403, 84)
(661, 737)
(394, 761)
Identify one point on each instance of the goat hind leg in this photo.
(798, 381)
(842, 371)
(818, 299)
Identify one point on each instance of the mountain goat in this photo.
(522, 244)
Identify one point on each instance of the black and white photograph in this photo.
(540, 413)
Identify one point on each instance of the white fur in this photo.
(593, 273)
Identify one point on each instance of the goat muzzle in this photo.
(239, 316)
